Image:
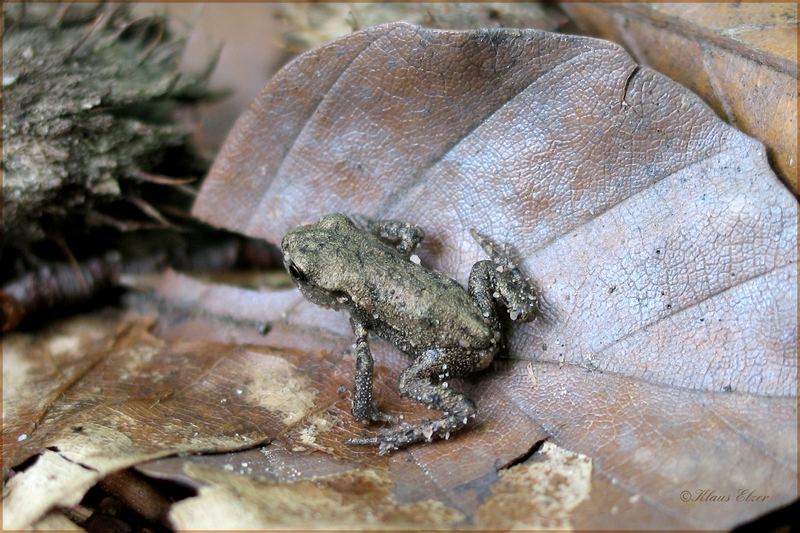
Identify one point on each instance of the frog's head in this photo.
(312, 254)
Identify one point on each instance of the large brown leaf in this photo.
(740, 57)
(663, 244)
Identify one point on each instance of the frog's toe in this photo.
(522, 313)
(376, 415)
(364, 441)
(387, 447)
(387, 442)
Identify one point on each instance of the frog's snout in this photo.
(284, 243)
(286, 246)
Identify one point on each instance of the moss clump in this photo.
(89, 100)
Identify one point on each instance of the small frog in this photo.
(366, 268)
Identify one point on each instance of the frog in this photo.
(367, 268)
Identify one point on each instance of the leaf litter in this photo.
(681, 377)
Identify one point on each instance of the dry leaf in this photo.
(312, 456)
(357, 499)
(741, 58)
(93, 396)
(661, 240)
(55, 521)
(463, 473)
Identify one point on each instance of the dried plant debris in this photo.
(89, 94)
(540, 494)
(309, 25)
(54, 289)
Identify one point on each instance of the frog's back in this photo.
(410, 305)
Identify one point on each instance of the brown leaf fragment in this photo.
(37, 369)
(662, 243)
(136, 397)
(279, 461)
(308, 25)
(655, 442)
(538, 494)
(56, 521)
(359, 499)
(741, 58)
(53, 480)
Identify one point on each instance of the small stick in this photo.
(51, 287)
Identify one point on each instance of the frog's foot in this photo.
(408, 434)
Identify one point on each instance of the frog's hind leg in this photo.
(426, 382)
(499, 279)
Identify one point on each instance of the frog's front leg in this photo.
(426, 382)
(402, 235)
(499, 280)
(363, 404)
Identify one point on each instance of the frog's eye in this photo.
(297, 274)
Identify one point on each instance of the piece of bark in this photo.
(56, 287)
(89, 93)
(138, 494)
